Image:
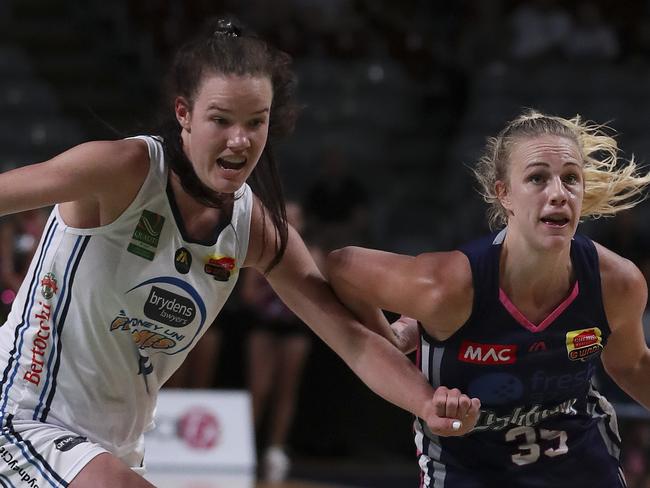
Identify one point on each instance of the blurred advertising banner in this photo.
(201, 431)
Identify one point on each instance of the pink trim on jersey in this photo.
(521, 318)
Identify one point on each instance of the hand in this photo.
(406, 333)
(450, 413)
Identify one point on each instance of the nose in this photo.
(238, 140)
(557, 192)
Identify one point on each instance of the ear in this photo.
(501, 188)
(182, 111)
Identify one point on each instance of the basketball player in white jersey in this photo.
(142, 249)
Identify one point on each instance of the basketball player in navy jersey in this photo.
(521, 317)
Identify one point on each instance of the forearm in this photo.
(390, 374)
(379, 364)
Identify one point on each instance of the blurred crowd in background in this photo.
(399, 98)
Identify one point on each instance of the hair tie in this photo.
(226, 27)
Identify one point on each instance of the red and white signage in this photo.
(202, 430)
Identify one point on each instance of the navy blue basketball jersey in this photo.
(542, 423)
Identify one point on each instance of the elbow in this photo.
(336, 260)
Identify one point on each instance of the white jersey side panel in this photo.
(106, 315)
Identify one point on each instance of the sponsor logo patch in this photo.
(146, 235)
(583, 343)
(488, 354)
(67, 442)
(145, 334)
(169, 308)
(40, 344)
(182, 260)
(49, 286)
(220, 267)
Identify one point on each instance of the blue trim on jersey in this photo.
(24, 324)
(57, 325)
(6, 482)
(35, 459)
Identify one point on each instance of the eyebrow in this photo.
(546, 165)
(221, 109)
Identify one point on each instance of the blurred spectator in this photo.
(591, 37)
(539, 28)
(636, 453)
(336, 205)
(481, 41)
(277, 350)
(19, 237)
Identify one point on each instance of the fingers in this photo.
(406, 333)
(452, 413)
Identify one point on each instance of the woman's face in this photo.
(224, 132)
(544, 192)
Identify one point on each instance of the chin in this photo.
(557, 242)
(227, 186)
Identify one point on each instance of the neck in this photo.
(199, 219)
(528, 272)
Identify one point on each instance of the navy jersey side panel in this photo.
(542, 423)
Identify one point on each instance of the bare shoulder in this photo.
(624, 286)
(618, 273)
(450, 267)
(102, 179)
(126, 155)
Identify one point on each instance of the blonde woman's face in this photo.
(544, 192)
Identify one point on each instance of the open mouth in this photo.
(232, 165)
(555, 221)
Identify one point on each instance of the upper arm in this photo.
(625, 294)
(99, 171)
(434, 288)
(296, 279)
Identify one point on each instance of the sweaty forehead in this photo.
(545, 149)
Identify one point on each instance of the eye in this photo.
(221, 121)
(572, 178)
(536, 179)
(256, 123)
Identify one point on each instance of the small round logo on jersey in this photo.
(182, 260)
(49, 286)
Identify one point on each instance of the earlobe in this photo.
(182, 112)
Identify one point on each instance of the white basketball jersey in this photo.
(106, 315)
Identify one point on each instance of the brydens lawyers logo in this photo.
(477, 353)
(583, 343)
